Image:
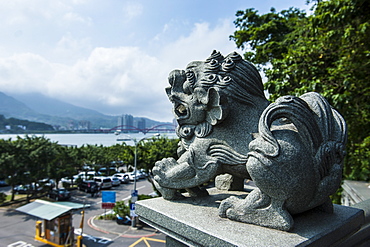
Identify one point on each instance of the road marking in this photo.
(100, 240)
(20, 244)
(145, 240)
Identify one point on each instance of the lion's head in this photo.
(201, 94)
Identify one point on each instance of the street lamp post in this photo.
(134, 194)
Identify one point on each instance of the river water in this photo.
(105, 139)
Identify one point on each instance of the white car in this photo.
(131, 176)
(115, 181)
(123, 177)
(139, 175)
(103, 182)
(69, 180)
(82, 175)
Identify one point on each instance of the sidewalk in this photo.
(111, 226)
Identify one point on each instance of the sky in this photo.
(113, 56)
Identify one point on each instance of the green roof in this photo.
(49, 210)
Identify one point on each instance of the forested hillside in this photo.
(13, 125)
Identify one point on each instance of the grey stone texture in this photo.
(194, 222)
(229, 182)
(292, 149)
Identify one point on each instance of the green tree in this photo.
(327, 52)
(41, 158)
(65, 163)
(12, 158)
(154, 150)
(95, 155)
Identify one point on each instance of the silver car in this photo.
(115, 181)
(124, 178)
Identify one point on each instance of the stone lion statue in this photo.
(293, 149)
(217, 104)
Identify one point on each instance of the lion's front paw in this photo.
(168, 171)
(162, 166)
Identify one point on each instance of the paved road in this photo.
(18, 229)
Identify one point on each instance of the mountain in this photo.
(12, 107)
(53, 107)
(39, 108)
(63, 113)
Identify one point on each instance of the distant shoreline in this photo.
(75, 132)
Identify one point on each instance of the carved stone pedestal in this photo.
(195, 222)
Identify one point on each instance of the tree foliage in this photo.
(327, 52)
(156, 149)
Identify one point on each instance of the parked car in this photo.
(46, 182)
(59, 194)
(3, 183)
(103, 182)
(69, 180)
(131, 176)
(143, 173)
(139, 175)
(27, 188)
(88, 186)
(124, 178)
(82, 175)
(123, 220)
(107, 172)
(115, 181)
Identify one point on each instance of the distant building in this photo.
(22, 127)
(141, 124)
(126, 122)
(84, 125)
(120, 121)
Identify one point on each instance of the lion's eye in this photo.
(181, 109)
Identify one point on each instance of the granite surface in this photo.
(195, 222)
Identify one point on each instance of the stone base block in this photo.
(195, 222)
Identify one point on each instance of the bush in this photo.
(121, 209)
(107, 217)
(143, 197)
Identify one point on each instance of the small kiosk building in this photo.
(57, 229)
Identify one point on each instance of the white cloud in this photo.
(74, 17)
(131, 10)
(114, 80)
(121, 78)
(200, 43)
(24, 73)
(17, 12)
(70, 49)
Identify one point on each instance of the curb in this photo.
(91, 224)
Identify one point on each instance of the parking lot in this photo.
(18, 229)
